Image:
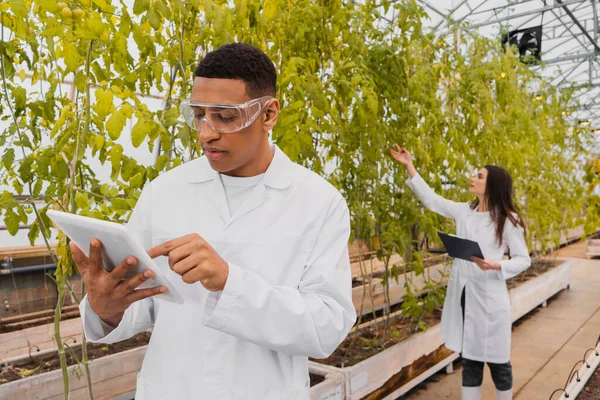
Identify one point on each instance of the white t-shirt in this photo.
(237, 189)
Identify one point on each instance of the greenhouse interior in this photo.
(426, 173)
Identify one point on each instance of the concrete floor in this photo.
(545, 344)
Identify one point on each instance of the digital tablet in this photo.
(117, 245)
(458, 247)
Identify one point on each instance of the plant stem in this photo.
(362, 301)
(58, 309)
(84, 354)
(386, 263)
(81, 138)
(363, 273)
(59, 343)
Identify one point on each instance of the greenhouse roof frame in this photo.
(570, 38)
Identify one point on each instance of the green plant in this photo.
(352, 82)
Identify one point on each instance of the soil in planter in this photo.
(537, 268)
(315, 379)
(371, 340)
(51, 362)
(409, 373)
(591, 391)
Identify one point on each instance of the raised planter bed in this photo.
(384, 375)
(527, 295)
(375, 300)
(112, 375)
(397, 369)
(593, 248)
(325, 384)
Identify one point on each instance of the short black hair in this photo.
(244, 62)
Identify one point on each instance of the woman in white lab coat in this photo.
(476, 320)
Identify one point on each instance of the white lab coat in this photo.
(486, 332)
(287, 297)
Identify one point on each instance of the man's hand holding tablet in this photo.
(115, 266)
(109, 293)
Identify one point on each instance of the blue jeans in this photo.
(472, 371)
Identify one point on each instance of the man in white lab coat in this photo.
(256, 246)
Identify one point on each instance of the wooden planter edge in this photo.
(103, 370)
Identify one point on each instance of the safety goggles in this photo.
(222, 118)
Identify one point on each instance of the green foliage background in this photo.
(352, 82)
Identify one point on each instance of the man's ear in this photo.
(271, 114)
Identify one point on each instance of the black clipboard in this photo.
(458, 247)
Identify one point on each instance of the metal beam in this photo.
(577, 37)
(584, 73)
(589, 103)
(583, 89)
(524, 14)
(502, 8)
(585, 33)
(471, 11)
(553, 36)
(435, 28)
(568, 28)
(552, 26)
(550, 30)
(584, 22)
(578, 56)
(426, 3)
(528, 21)
(574, 36)
(588, 106)
(571, 38)
(587, 96)
(565, 28)
(589, 114)
(564, 78)
(595, 13)
(583, 86)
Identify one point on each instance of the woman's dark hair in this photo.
(498, 195)
(244, 62)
